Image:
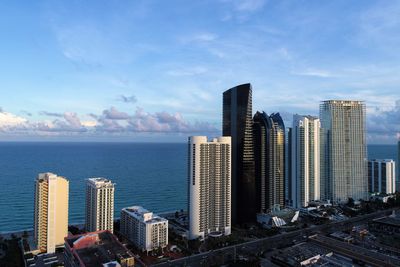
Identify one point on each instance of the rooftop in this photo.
(100, 181)
(393, 221)
(143, 214)
(300, 252)
(49, 176)
(97, 248)
(339, 101)
(342, 236)
(308, 254)
(382, 160)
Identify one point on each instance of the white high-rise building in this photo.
(99, 205)
(382, 176)
(51, 211)
(344, 171)
(143, 228)
(209, 186)
(305, 152)
(398, 160)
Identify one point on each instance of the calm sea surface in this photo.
(147, 174)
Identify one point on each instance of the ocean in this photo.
(152, 175)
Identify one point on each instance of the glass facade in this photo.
(237, 123)
(269, 152)
(343, 150)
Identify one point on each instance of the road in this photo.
(371, 258)
(257, 247)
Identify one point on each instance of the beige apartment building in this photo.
(99, 205)
(51, 211)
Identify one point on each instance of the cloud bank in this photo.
(110, 122)
(383, 125)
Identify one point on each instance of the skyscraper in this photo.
(209, 186)
(305, 169)
(237, 123)
(398, 162)
(99, 205)
(51, 211)
(344, 152)
(288, 167)
(382, 176)
(269, 154)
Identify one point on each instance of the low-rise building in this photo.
(342, 237)
(278, 218)
(99, 248)
(308, 254)
(147, 231)
(384, 198)
(387, 225)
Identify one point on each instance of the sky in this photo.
(155, 71)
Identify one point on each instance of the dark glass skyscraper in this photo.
(237, 123)
(269, 154)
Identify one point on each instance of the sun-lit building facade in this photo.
(50, 211)
(99, 204)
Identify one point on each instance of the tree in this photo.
(74, 230)
(350, 202)
(25, 235)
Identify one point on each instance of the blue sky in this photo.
(156, 70)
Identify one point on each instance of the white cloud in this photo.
(202, 37)
(383, 123)
(89, 124)
(10, 120)
(111, 121)
(315, 73)
(114, 114)
(187, 71)
(143, 121)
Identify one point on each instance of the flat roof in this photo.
(106, 250)
(394, 221)
(138, 212)
(99, 181)
(382, 160)
(301, 252)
